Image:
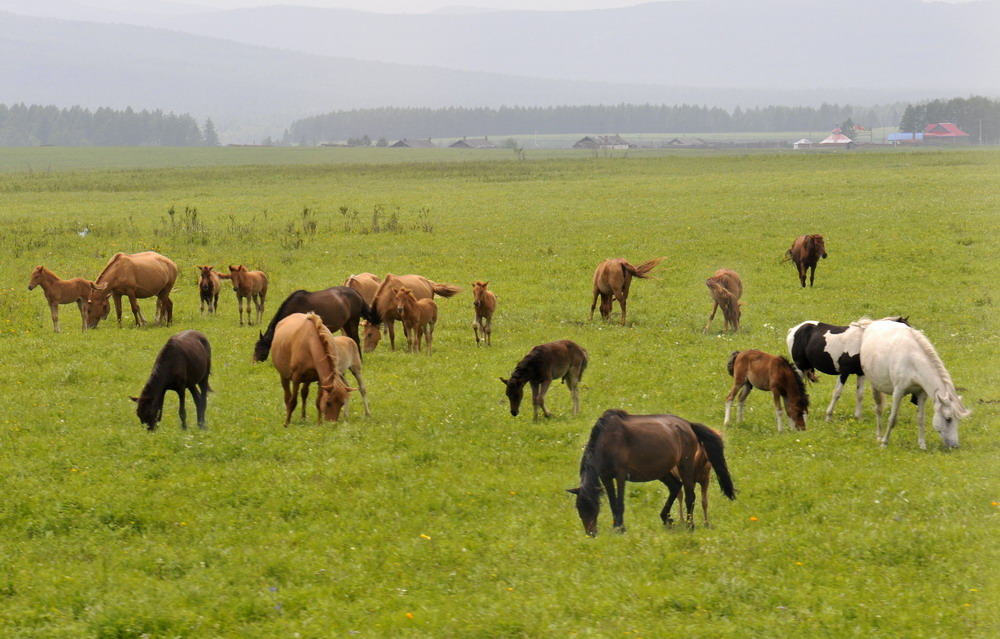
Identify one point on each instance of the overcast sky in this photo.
(423, 6)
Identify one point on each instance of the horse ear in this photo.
(261, 334)
(575, 491)
(134, 399)
(504, 381)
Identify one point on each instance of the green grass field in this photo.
(442, 515)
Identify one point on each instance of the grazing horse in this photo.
(542, 364)
(756, 369)
(899, 360)
(209, 286)
(139, 275)
(184, 363)
(485, 303)
(59, 291)
(349, 359)
(385, 306)
(341, 309)
(640, 448)
(726, 290)
(612, 280)
(249, 285)
(365, 283)
(805, 253)
(419, 318)
(303, 353)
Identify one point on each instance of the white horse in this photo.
(898, 359)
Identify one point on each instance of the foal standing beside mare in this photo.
(385, 306)
(543, 363)
(612, 280)
(59, 291)
(419, 318)
(485, 303)
(726, 290)
(756, 369)
(805, 253)
(640, 448)
(184, 363)
(249, 285)
(349, 359)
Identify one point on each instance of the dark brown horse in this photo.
(612, 280)
(209, 286)
(756, 369)
(642, 448)
(542, 364)
(249, 285)
(726, 290)
(805, 253)
(136, 276)
(485, 303)
(58, 291)
(385, 306)
(184, 363)
(340, 307)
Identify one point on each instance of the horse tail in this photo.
(583, 364)
(731, 364)
(445, 290)
(642, 271)
(718, 290)
(713, 445)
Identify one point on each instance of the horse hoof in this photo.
(620, 530)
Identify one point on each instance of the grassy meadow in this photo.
(442, 515)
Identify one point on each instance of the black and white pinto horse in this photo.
(830, 349)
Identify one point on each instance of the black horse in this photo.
(545, 362)
(184, 363)
(340, 308)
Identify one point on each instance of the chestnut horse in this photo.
(756, 369)
(726, 290)
(341, 309)
(184, 363)
(805, 253)
(59, 291)
(543, 363)
(484, 302)
(136, 276)
(303, 353)
(385, 306)
(366, 284)
(349, 359)
(419, 318)
(612, 280)
(209, 286)
(249, 285)
(640, 448)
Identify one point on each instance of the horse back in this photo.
(552, 360)
(647, 447)
(184, 361)
(146, 274)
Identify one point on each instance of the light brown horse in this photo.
(612, 280)
(59, 291)
(136, 276)
(302, 351)
(385, 306)
(756, 369)
(419, 318)
(349, 359)
(484, 302)
(726, 290)
(366, 284)
(249, 285)
(209, 286)
(805, 253)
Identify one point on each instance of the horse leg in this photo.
(741, 400)
(877, 396)
(83, 312)
(715, 305)
(689, 501)
(291, 393)
(897, 398)
(239, 304)
(475, 329)
(802, 273)
(616, 499)
(573, 381)
(260, 309)
(837, 390)
(593, 304)
(777, 406)
(201, 401)
(674, 486)
(729, 398)
(54, 310)
(535, 399)
(812, 274)
(429, 336)
(167, 311)
(860, 395)
(488, 331)
(118, 308)
(181, 408)
(921, 402)
(542, 390)
(391, 327)
(140, 319)
(621, 296)
(356, 371)
(305, 395)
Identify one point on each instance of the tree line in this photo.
(22, 125)
(394, 123)
(977, 116)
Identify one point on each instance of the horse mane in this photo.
(932, 355)
(799, 383)
(588, 465)
(328, 354)
(280, 314)
(389, 277)
(528, 364)
(110, 263)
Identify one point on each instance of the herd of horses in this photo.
(894, 357)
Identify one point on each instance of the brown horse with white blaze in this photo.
(58, 291)
(136, 276)
(806, 252)
(249, 285)
(485, 303)
(419, 318)
(756, 369)
(303, 353)
(726, 289)
(612, 280)
(385, 307)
